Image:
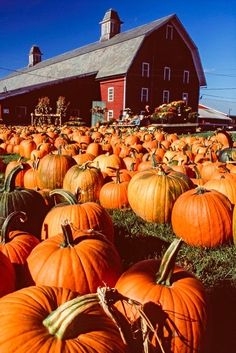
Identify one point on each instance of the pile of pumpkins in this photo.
(62, 287)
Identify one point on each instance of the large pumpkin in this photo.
(52, 169)
(173, 301)
(152, 193)
(203, 217)
(25, 324)
(85, 181)
(88, 215)
(21, 199)
(78, 260)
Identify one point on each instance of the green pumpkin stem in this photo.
(168, 263)
(59, 320)
(9, 182)
(16, 215)
(67, 195)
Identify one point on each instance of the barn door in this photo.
(98, 112)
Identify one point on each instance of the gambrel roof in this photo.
(107, 58)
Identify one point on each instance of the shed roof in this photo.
(106, 58)
(210, 113)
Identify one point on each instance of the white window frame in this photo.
(169, 32)
(110, 94)
(145, 69)
(166, 96)
(167, 72)
(185, 97)
(110, 114)
(144, 94)
(186, 76)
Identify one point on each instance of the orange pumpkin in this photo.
(28, 312)
(78, 260)
(173, 301)
(203, 217)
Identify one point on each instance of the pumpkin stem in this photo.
(117, 171)
(201, 190)
(16, 215)
(167, 263)
(9, 182)
(60, 319)
(67, 234)
(67, 195)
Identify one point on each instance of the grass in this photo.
(138, 240)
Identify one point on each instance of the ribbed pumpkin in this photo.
(203, 217)
(74, 259)
(85, 181)
(152, 193)
(52, 169)
(105, 161)
(21, 199)
(17, 245)
(26, 316)
(114, 194)
(173, 300)
(88, 215)
(223, 184)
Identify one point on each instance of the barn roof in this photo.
(106, 58)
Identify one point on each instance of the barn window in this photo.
(185, 97)
(166, 73)
(169, 32)
(110, 114)
(145, 69)
(166, 96)
(144, 94)
(110, 95)
(186, 76)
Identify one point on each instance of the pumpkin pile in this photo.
(63, 279)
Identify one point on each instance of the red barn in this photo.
(151, 64)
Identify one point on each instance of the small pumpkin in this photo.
(114, 194)
(17, 245)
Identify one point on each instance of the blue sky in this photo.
(57, 26)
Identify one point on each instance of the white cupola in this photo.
(110, 25)
(35, 55)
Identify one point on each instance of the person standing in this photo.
(146, 116)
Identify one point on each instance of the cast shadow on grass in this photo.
(221, 336)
